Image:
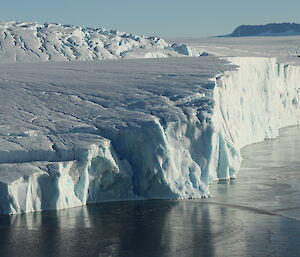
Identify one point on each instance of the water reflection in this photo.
(145, 228)
(243, 218)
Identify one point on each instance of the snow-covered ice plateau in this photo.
(82, 132)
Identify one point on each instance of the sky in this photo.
(164, 18)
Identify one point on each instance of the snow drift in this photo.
(32, 42)
(133, 130)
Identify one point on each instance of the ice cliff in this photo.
(134, 129)
(33, 42)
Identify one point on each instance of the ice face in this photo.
(134, 129)
(266, 96)
(33, 42)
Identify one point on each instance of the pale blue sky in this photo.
(168, 18)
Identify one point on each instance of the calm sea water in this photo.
(257, 214)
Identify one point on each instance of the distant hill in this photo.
(272, 29)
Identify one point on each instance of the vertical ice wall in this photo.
(252, 104)
(96, 175)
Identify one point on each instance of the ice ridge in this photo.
(33, 42)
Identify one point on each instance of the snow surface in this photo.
(32, 42)
(81, 132)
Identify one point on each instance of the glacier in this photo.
(89, 131)
(83, 132)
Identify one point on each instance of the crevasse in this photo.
(168, 159)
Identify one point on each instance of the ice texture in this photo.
(33, 42)
(83, 132)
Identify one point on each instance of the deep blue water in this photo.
(257, 214)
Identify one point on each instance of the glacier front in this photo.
(83, 132)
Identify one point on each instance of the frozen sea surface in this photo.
(254, 215)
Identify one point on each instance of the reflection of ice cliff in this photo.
(132, 129)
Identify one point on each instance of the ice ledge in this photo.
(166, 158)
